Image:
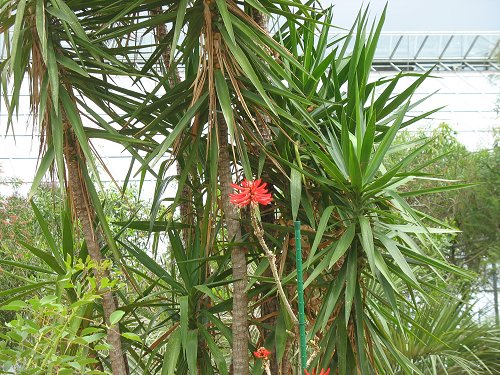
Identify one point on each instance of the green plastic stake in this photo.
(300, 291)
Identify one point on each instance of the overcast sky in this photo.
(424, 15)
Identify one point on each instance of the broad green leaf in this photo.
(343, 244)
(24, 266)
(420, 229)
(224, 101)
(179, 22)
(53, 73)
(48, 237)
(43, 167)
(215, 352)
(360, 331)
(93, 337)
(41, 27)
(226, 18)
(172, 351)
(223, 329)
(318, 269)
(367, 242)
(351, 281)
(184, 314)
(393, 249)
(90, 330)
(342, 339)
(402, 97)
(116, 316)
(355, 171)
(71, 65)
(191, 351)
(258, 6)
(153, 266)
(295, 191)
(330, 301)
(281, 335)
(45, 256)
(383, 147)
(132, 336)
(435, 190)
(206, 290)
(62, 10)
(323, 222)
(16, 34)
(19, 292)
(14, 306)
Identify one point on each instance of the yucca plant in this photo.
(445, 338)
(368, 248)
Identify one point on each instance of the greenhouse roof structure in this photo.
(451, 51)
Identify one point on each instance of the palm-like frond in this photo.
(446, 339)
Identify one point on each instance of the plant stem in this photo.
(259, 233)
(267, 367)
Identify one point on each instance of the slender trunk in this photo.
(85, 214)
(261, 19)
(78, 194)
(238, 258)
(259, 233)
(174, 77)
(160, 33)
(286, 363)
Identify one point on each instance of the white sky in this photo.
(424, 15)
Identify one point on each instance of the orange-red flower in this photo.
(251, 192)
(262, 353)
(322, 372)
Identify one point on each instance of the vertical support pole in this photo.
(300, 291)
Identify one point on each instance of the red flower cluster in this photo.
(322, 372)
(262, 353)
(251, 192)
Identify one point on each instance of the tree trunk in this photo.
(261, 19)
(85, 214)
(185, 205)
(160, 33)
(238, 258)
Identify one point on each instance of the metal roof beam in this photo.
(420, 66)
(395, 48)
(395, 67)
(446, 47)
(470, 66)
(490, 57)
(421, 46)
(470, 47)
